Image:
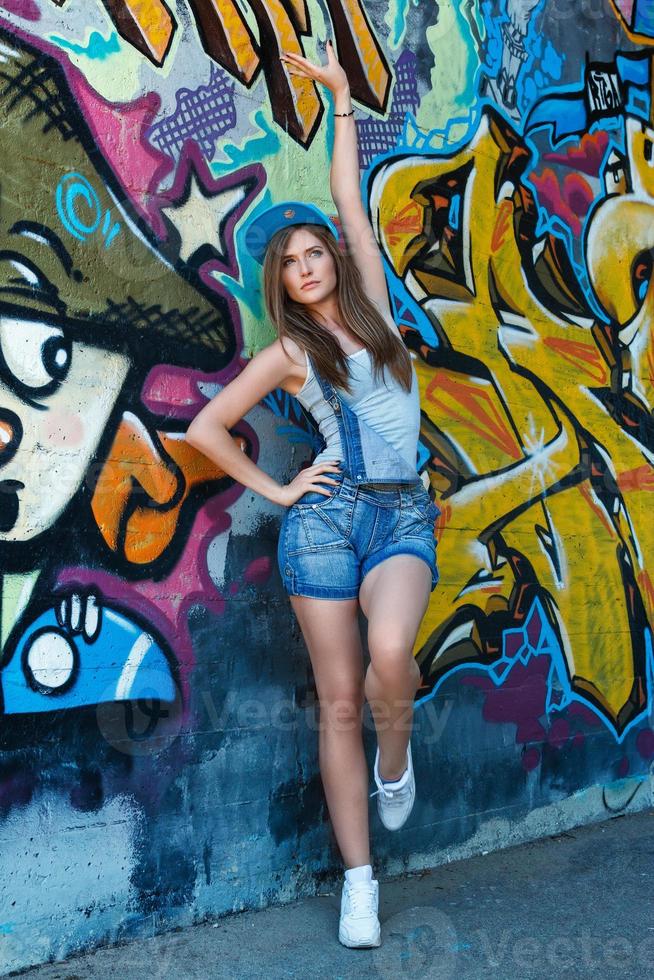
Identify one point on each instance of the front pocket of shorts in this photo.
(427, 511)
(416, 521)
(314, 499)
(312, 529)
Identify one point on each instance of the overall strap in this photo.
(348, 427)
(329, 393)
(369, 458)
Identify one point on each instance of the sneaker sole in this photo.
(362, 944)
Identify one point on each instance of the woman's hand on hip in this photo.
(307, 479)
(332, 75)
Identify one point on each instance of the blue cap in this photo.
(284, 215)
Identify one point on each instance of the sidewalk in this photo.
(578, 906)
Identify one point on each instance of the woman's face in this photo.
(308, 269)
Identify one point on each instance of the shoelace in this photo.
(391, 794)
(361, 899)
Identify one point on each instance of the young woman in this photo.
(359, 529)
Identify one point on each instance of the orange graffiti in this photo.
(639, 478)
(585, 357)
(516, 399)
(464, 402)
(148, 25)
(628, 20)
(408, 221)
(358, 48)
(142, 487)
(226, 37)
(502, 224)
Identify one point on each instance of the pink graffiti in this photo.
(520, 700)
(570, 197)
(570, 200)
(27, 9)
(174, 392)
(645, 743)
(192, 166)
(165, 605)
(626, 8)
(258, 571)
(586, 157)
(530, 759)
(118, 130)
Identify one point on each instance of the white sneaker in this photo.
(359, 923)
(395, 800)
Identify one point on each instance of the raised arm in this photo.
(344, 176)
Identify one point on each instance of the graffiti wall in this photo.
(158, 750)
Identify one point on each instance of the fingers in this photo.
(306, 70)
(318, 489)
(300, 67)
(298, 61)
(305, 63)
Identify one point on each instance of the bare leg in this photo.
(331, 633)
(394, 596)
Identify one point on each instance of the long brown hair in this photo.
(358, 313)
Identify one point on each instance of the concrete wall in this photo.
(158, 720)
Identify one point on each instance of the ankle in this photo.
(391, 773)
(395, 775)
(362, 872)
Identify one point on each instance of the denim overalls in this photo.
(328, 544)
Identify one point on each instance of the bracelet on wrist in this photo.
(350, 113)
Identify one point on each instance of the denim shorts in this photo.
(328, 544)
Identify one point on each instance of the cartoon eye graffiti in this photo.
(36, 355)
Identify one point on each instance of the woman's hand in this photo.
(332, 75)
(307, 480)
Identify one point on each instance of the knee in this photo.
(391, 658)
(392, 665)
(342, 705)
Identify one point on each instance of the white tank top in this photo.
(387, 408)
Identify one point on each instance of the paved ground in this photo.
(578, 905)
